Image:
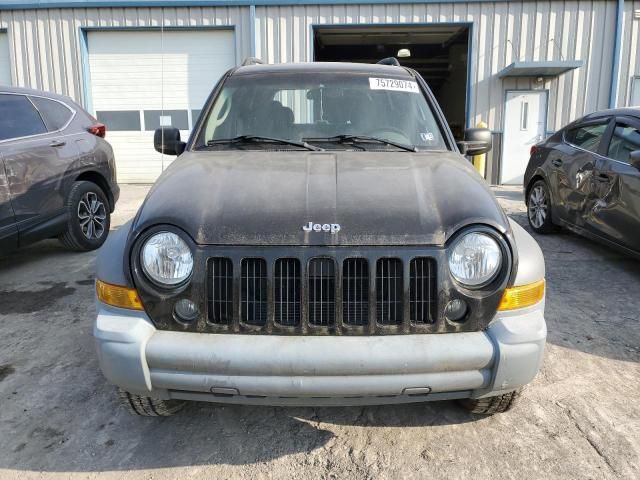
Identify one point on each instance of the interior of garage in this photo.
(438, 52)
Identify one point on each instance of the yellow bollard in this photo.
(479, 161)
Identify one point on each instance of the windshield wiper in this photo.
(364, 138)
(258, 138)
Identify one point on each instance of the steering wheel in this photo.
(397, 135)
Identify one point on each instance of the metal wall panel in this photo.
(630, 54)
(46, 44)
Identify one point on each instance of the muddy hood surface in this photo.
(265, 198)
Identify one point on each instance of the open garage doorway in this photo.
(439, 53)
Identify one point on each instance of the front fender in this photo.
(111, 258)
(530, 258)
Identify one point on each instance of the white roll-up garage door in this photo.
(5, 65)
(140, 80)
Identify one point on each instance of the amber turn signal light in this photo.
(117, 296)
(522, 296)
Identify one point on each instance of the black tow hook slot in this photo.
(416, 391)
(224, 392)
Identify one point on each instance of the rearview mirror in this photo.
(167, 140)
(634, 159)
(476, 141)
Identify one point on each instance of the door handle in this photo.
(556, 162)
(58, 143)
(603, 177)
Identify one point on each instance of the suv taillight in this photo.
(533, 150)
(98, 129)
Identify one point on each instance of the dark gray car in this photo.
(586, 177)
(57, 173)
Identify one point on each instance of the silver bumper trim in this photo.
(319, 370)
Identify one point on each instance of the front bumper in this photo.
(319, 370)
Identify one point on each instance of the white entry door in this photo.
(525, 123)
(141, 80)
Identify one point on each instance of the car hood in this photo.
(265, 198)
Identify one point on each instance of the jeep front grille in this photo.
(389, 289)
(253, 288)
(307, 295)
(286, 292)
(422, 290)
(355, 291)
(220, 299)
(322, 291)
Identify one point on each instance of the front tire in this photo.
(539, 208)
(149, 407)
(89, 217)
(491, 405)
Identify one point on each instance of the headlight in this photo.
(166, 259)
(475, 259)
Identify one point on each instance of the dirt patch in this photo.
(5, 371)
(29, 301)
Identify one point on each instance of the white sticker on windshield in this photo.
(393, 84)
(427, 137)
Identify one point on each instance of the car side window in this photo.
(587, 137)
(19, 117)
(55, 114)
(625, 140)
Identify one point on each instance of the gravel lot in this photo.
(580, 418)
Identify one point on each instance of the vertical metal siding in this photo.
(45, 43)
(630, 58)
(503, 32)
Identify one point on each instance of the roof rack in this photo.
(252, 61)
(389, 61)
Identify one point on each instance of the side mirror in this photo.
(476, 141)
(634, 159)
(167, 140)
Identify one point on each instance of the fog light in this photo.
(185, 310)
(455, 310)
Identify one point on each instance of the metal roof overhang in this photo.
(539, 69)
(35, 4)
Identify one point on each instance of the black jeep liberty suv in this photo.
(320, 240)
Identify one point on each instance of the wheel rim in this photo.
(92, 216)
(538, 208)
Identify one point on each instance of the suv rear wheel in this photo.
(89, 217)
(149, 407)
(491, 405)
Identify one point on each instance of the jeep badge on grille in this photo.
(321, 227)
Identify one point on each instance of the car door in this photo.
(616, 211)
(36, 154)
(8, 229)
(571, 170)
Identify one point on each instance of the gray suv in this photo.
(57, 173)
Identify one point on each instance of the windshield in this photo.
(319, 107)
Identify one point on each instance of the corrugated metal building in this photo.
(525, 68)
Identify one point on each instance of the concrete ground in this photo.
(580, 418)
